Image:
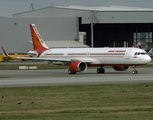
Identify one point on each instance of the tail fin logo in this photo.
(38, 43)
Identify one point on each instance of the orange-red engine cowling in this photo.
(121, 68)
(77, 66)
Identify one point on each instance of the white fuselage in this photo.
(101, 56)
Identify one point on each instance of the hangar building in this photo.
(100, 27)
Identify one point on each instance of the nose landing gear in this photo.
(134, 70)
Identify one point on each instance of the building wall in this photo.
(125, 17)
(15, 32)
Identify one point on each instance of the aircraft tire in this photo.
(99, 70)
(135, 72)
(102, 70)
(70, 72)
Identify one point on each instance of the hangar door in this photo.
(117, 35)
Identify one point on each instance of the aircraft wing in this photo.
(47, 59)
(86, 60)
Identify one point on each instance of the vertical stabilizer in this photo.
(38, 43)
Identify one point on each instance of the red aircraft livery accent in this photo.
(117, 51)
(38, 44)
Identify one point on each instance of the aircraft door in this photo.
(66, 53)
(87, 54)
(127, 54)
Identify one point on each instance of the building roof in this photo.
(105, 9)
(99, 9)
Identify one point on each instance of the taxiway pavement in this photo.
(28, 78)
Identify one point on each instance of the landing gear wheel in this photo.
(135, 72)
(100, 70)
(70, 72)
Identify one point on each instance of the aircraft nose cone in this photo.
(148, 59)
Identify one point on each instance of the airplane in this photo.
(78, 59)
(5, 58)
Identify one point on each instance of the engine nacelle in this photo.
(77, 66)
(121, 68)
(33, 53)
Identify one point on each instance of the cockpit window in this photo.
(143, 53)
(140, 53)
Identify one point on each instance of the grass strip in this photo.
(88, 102)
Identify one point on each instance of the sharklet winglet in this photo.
(4, 51)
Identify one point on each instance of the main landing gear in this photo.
(134, 70)
(100, 70)
(70, 72)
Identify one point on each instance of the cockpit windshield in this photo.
(140, 53)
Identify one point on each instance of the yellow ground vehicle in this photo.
(4, 58)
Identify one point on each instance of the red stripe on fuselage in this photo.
(92, 65)
(114, 65)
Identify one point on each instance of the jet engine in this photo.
(33, 53)
(77, 66)
(121, 68)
